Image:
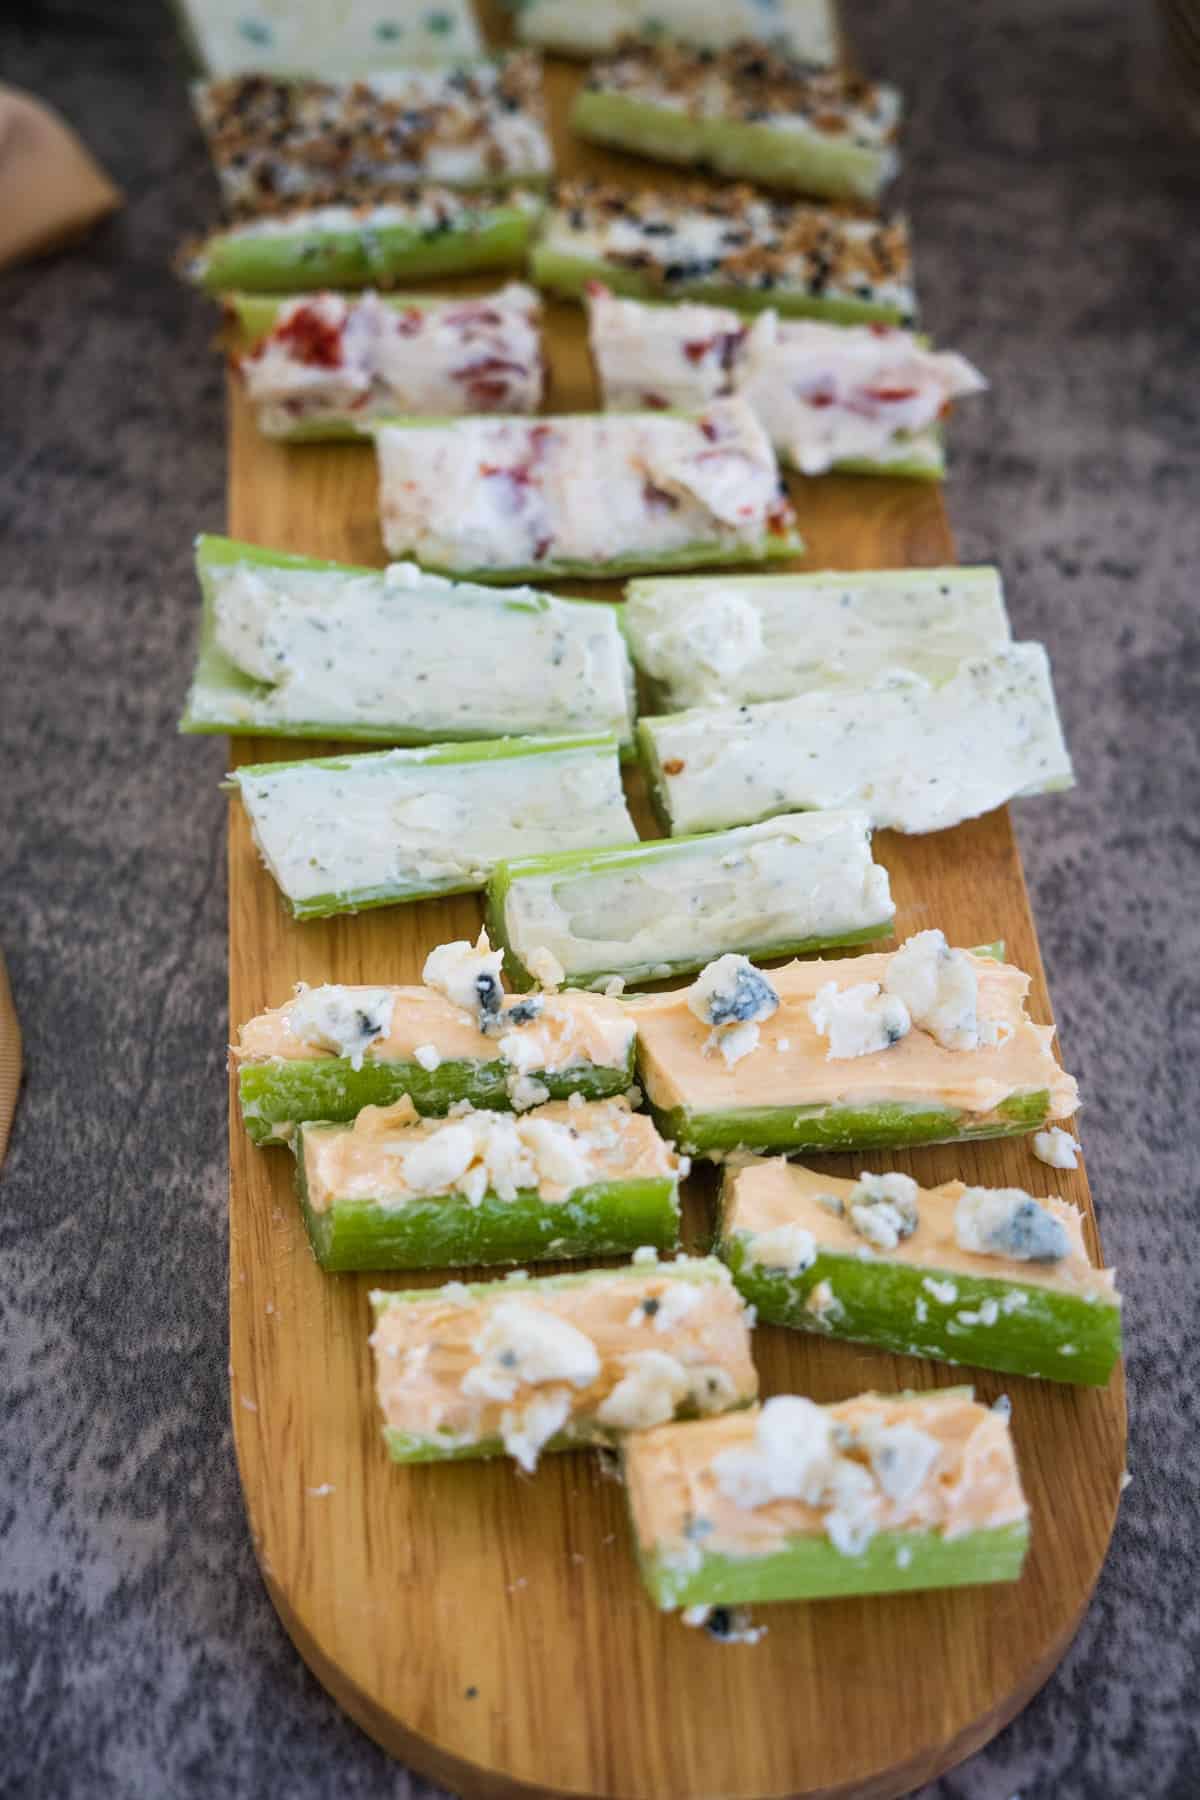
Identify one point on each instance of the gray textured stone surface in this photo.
(1058, 243)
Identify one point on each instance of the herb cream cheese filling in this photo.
(783, 882)
(713, 640)
(406, 647)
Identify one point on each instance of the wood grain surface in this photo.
(489, 1628)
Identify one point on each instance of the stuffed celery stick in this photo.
(310, 36)
(314, 142)
(294, 647)
(342, 833)
(414, 233)
(518, 1368)
(806, 29)
(565, 1180)
(914, 1046)
(456, 1039)
(748, 111)
(582, 494)
(709, 640)
(729, 247)
(912, 755)
(789, 885)
(328, 365)
(881, 1494)
(860, 399)
(990, 1276)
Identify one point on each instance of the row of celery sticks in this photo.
(454, 1123)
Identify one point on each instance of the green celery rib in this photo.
(569, 276)
(881, 1125)
(279, 1093)
(712, 555)
(877, 1304)
(218, 677)
(569, 862)
(805, 162)
(809, 1568)
(494, 237)
(609, 1218)
(395, 893)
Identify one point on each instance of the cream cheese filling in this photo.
(676, 1072)
(403, 645)
(682, 1508)
(781, 882)
(768, 1193)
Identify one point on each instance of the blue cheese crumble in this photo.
(733, 997)
(859, 1020)
(883, 1209)
(940, 989)
(469, 976)
(1009, 1222)
(344, 1020)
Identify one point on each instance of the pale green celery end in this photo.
(810, 1568)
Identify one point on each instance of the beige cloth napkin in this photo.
(10, 1058)
(51, 189)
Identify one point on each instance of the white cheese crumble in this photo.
(524, 1092)
(790, 1247)
(1057, 1148)
(733, 997)
(940, 989)
(545, 968)
(858, 1020)
(481, 1153)
(470, 977)
(526, 1431)
(523, 1345)
(345, 1020)
(1009, 1222)
(653, 1386)
(429, 1057)
(901, 1457)
(944, 1292)
(793, 1456)
(883, 1208)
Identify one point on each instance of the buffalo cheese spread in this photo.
(767, 1195)
(781, 883)
(586, 1356)
(915, 1069)
(753, 1482)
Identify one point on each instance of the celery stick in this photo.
(432, 232)
(792, 1501)
(806, 29)
(745, 112)
(790, 885)
(702, 640)
(871, 1125)
(392, 1229)
(637, 1309)
(1066, 1327)
(278, 1093)
(340, 834)
(400, 658)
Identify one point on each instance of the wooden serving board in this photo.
(490, 1629)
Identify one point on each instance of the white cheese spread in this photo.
(498, 494)
(717, 639)
(409, 821)
(914, 756)
(769, 887)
